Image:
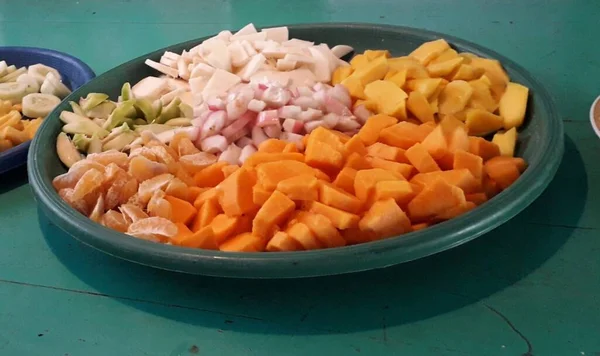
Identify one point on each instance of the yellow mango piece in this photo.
(340, 74)
(480, 122)
(454, 97)
(359, 61)
(417, 104)
(390, 99)
(442, 69)
(13, 135)
(374, 70)
(414, 68)
(447, 55)
(506, 141)
(482, 96)
(513, 105)
(355, 87)
(399, 78)
(426, 86)
(372, 54)
(468, 56)
(426, 52)
(465, 72)
(493, 69)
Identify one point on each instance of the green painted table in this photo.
(528, 288)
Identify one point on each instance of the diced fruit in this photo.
(513, 105)
(385, 219)
(506, 142)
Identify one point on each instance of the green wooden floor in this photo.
(529, 287)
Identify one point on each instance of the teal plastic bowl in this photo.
(541, 143)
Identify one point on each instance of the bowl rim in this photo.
(386, 252)
(87, 74)
(595, 103)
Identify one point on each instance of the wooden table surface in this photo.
(529, 287)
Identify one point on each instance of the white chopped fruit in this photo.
(213, 124)
(347, 124)
(286, 64)
(246, 152)
(289, 112)
(219, 56)
(238, 105)
(188, 98)
(305, 91)
(168, 97)
(171, 55)
(239, 127)
(277, 34)
(214, 144)
(335, 106)
(299, 58)
(341, 50)
(258, 136)
(244, 141)
(168, 62)
(320, 66)
(293, 126)
(167, 136)
(342, 94)
(225, 35)
(276, 97)
(278, 52)
(177, 84)
(268, 118)
(215, 104)
(246, 30)
(239, 56)
(231, 155)
(292, 79)
(306, 102)
(262, 45)
(248, 48)
(362, 113)
(256, 105)
(273, 131)
(252, 37)
(298, 43)
(150, 88)
(202, 70)
(182, 69)
(330, 120)
(220, 82)
(310, 114)
(162, 68)
(198, 84)
(252, 67)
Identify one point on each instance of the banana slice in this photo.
(32, 84)
(13, 92)
(39, 72)
(11, 77)
(53, 86)
(39, 105)
(3, 68)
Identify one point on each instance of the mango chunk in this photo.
(391, 100)
(513, 105)
(426, 52)
(372, 71)
(481, 122)
(455, 97)
(414, 68)
(506, 142)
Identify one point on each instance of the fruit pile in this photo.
(274, 161)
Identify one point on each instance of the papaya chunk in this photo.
(461, 178)
(264, 157)
(181, 210)
(473, 163)
(245, 242)
(281, 241)
(303, 236)
(345, 179)
(435, 199)
(272, 145)
(275, 211)
(271, 173)
(302, 187)
(400, 169)
(322, 228)
(369, 133)
(337, 198)
(211, 175)
(223, 227)
(206, 214)
(502, 171)
(339, 218)
(236, 198)
(421, 159)
(365, 181)
(384, 151)
(203, 238)
(401, 191)
(384, 219)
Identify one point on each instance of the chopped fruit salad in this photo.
(27, 96)
(256, 142)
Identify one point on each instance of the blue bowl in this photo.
(75, 73)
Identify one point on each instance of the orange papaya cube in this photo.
(345, 179)
(342, 136)
(400, 169)
(490, 187)
(369, 133)
(319, 174)
(291, 148)
(436, 143)
(322, 228)
(206, 214)
(337, 198)
(503, 172)
(229, 170)
(264, 157)
(281, 241)
(461, 178)
(303, 236)
(384, 219)
(434, 199)
(403, 134)
(330, 137)
(355, 236)
(223, 227)
(321, 155)
(271, 173)
(203, 238)
(446, 163)
(211, 175)
(194, 192)
(477, 198)
(419, 157)
(483, 148)
(364, 183)
(357, 162)
(302, 187)
(339, 218)
(260, 194)
(401, 191)
(517, 161)
(210, 194)
(466, 160)
(420, 226)
(245, 242)
(355, 144)
(272, 145)
(182, 231)
(455, 211)
(236, 198)
(181, 211)
(275, 211)
(384, 151)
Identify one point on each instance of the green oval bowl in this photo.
(540, 143)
